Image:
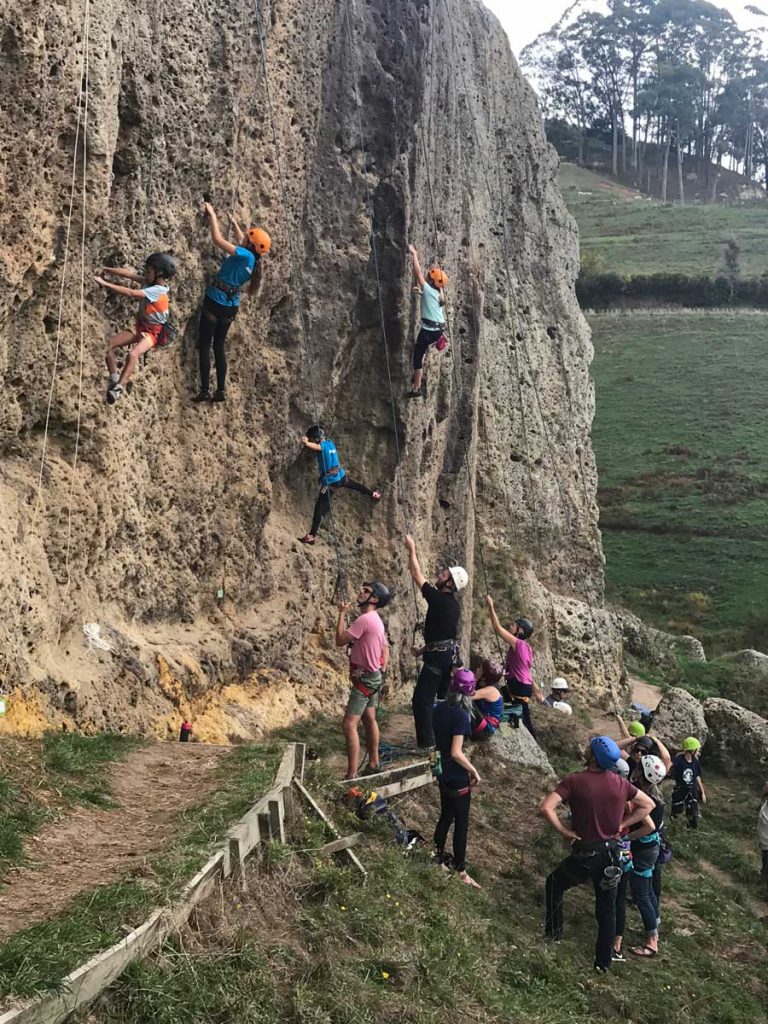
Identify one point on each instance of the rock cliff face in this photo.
(169, 504)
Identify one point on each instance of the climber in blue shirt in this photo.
(332, 478)
(243, 265)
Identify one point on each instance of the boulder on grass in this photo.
(515, 746)
(738, 739)
(678, 715)
(754, 661)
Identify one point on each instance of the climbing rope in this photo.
(73, 475)
(64, 268)
(380, 299)
(504, 253)
(295, 275)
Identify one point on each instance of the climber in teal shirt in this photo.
(332, 478)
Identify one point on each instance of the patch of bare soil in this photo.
(94, 846)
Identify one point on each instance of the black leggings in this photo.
(509, 694)
(215, 321)
(424, 339)
(323, 503)
(433, 682)
(576, 871)
(454, 810)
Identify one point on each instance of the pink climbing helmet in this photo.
(464, 682)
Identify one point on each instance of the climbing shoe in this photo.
(376, 496)
(203, 396)
(115, 393)
(413, 394)
(219, 396)
(307, 539)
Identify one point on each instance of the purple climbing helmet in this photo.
(464, 682)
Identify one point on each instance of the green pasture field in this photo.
(632, 234)
(681, 441)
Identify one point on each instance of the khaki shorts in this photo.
(358, 702)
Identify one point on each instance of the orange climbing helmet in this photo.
(260, 240)
(437, 277)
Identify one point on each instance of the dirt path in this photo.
(93, 846)
(645, 693)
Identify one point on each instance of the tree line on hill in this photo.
(657, 77)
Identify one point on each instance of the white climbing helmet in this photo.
(460, 576)
(558, 683)
(653, 768)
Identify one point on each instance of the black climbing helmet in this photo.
(163, 262)
(645, 744)
(316, 433)
(526, 625)
(381, 592)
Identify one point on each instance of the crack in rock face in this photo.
(176, 533)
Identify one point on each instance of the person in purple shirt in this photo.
(519, 686)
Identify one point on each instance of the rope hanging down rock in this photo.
(295, 274)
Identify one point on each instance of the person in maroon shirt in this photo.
(597, 798)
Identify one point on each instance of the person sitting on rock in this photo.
(457, 774)
(558, 696)
(432, 317)
(368, 657)
(332, 478)
(519, 686)
(689, 788)
(243, 265)
(151, 328)
(441, 650)
(488, 703)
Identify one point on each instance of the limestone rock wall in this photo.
(176, 529)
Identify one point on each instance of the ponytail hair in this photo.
(455, 698)
(257, 277)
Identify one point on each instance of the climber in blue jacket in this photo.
(332, 478)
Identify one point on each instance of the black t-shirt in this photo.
(685, 772)
(656, 815)
(449, 720)
(443, 613)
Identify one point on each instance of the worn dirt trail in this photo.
(92, 846)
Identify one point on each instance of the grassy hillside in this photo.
(307, 943)
(682, 451)
(631, 234)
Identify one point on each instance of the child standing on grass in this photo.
(689, 789)
(151, 328)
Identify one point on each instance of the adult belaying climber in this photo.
(519, 685)
(151, 329)
(368, 656)
(242, 266)
(432, 317)
(332, 478)
(440, 650)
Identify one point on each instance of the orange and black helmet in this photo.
(437, 277)
(259, 240)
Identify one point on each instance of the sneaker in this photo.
(618, 957)
(308, 538)
(600, 970)
(219, 396)
(203, 396)
(115, 393)
(114, 378)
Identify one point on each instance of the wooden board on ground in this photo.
(382, 775)
(340, 844)
(406, 785)
(329, 825)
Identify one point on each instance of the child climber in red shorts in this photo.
(151, 330)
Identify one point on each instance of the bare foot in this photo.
(468, 880)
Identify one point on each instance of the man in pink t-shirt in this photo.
(368, 656)
(519, 687)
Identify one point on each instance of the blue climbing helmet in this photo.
(604, 751)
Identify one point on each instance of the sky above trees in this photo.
(524, 21)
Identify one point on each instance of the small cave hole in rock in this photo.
(443, 503)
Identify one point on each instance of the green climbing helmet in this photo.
(636, 729)
(691, 744)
